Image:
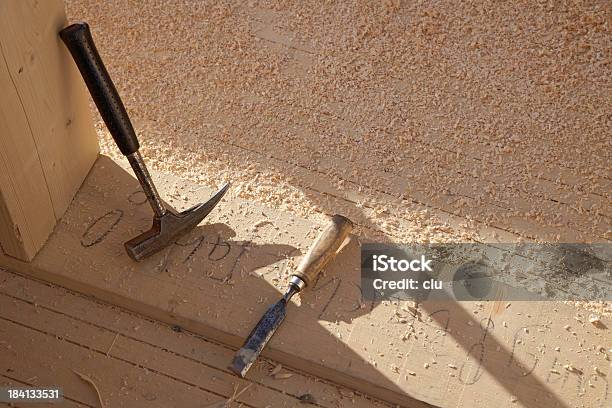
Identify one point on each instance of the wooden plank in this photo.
(49, 142)
(528, 205)
(8, 381)
(26, 212)
(55, 365)
(499, 221)
(176, 358)
(218, 281)
(522, 213)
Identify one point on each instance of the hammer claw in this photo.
(169, 227)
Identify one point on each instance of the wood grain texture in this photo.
(48, 139)
(324, 248)
(219, 280)
(136, 362)
(26, 212)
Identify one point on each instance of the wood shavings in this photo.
(595, 320)
(112, 344)
(91, 382)
(276, 370)
(475, 123)
(346, 393)
(282, 376)
(307, 399)
(227, 403)
(572, 369)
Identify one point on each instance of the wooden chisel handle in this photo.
(324, 249)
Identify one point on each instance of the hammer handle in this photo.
(79, 41)
(324, 249)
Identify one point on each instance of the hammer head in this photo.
(169, 227)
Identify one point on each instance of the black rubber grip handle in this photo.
(79, 41)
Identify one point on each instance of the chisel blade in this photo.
(259, 337)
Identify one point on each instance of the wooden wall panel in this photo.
(47, 135)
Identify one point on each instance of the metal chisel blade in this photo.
(259, 337)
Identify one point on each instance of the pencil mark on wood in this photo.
(359, 303)
(518, 340)
(243, 250)
(220, 243)
(318, 288)
(553, 370)
(137, 197)
(199, 241)
(113, 216)
(489, 325)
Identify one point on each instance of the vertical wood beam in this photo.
(47, 139)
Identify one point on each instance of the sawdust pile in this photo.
(421, 121)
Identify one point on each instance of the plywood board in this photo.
(48, 139)
(218, 281)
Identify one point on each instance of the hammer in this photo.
(168, 225)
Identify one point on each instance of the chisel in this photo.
(320, 254)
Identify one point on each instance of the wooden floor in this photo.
(301, 106)
(48, 333)
(219, 280)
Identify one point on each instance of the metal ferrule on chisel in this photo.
(296, 284)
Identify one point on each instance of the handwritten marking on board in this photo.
(138, 197)
(213, 254)
(317, 288)
(92, 237)
(197, 244)
(478, 349)
(517, 340)
(221, 245)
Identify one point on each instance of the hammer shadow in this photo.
(250, 274)
(335, 298)
(430, 326)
